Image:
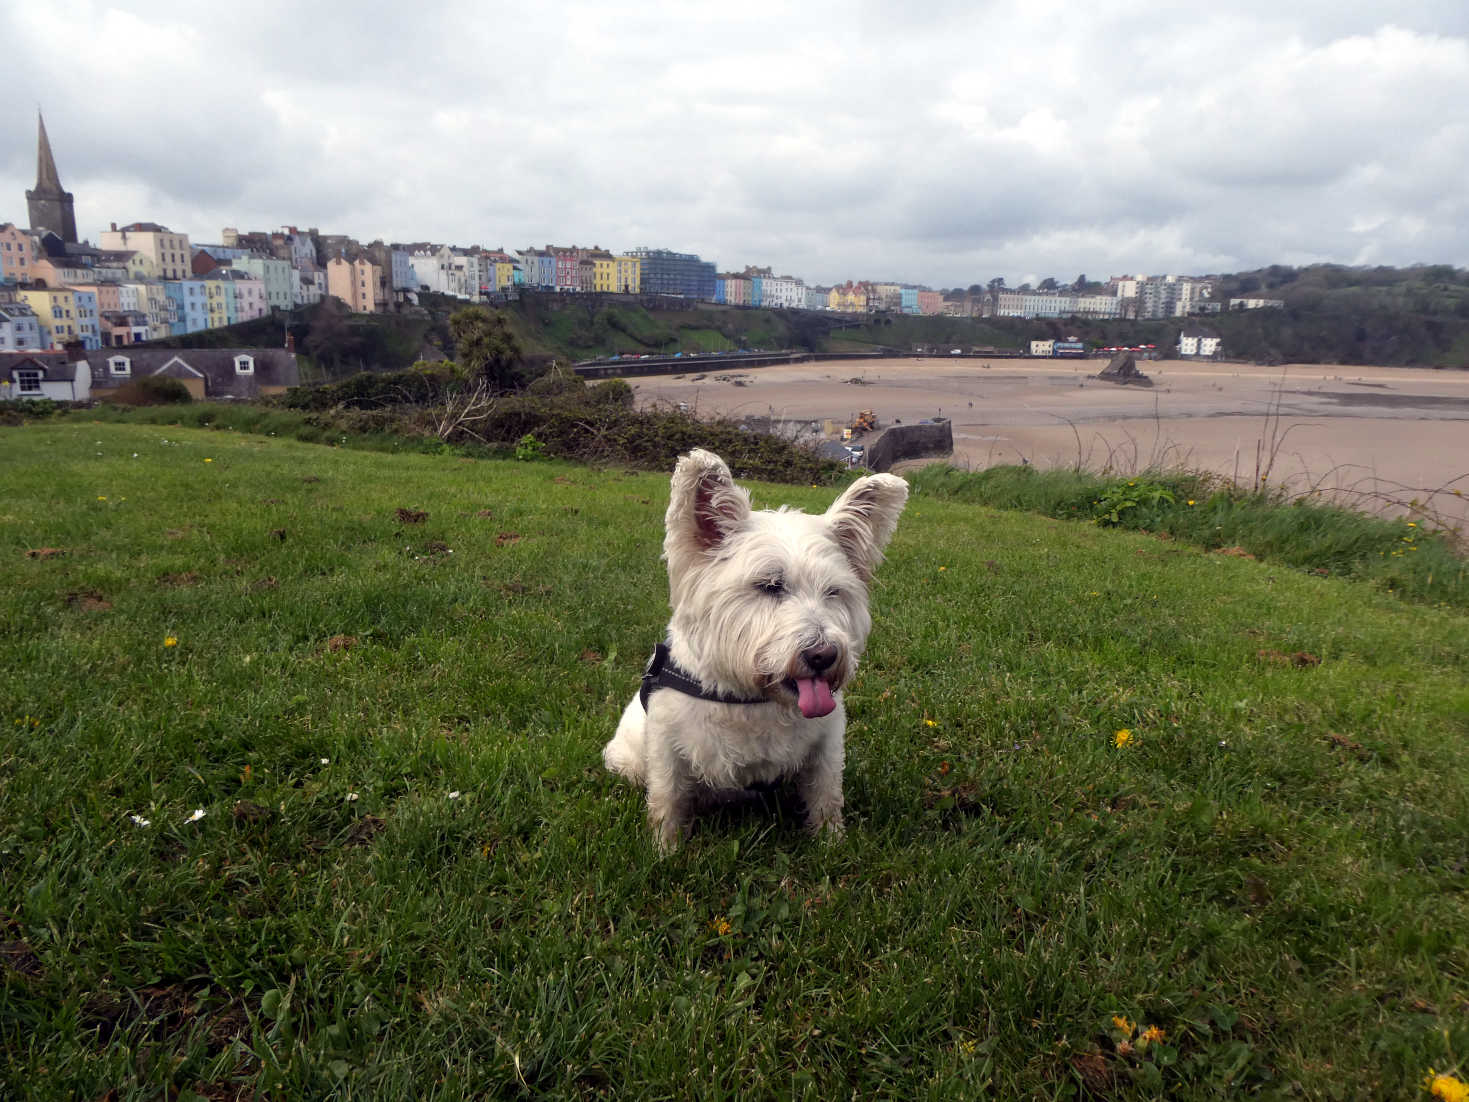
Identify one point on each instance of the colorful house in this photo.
(18, 327)
(17, 254)
(274, 275)
(849, 297)
(56, 313)
(629, 279)
(219, 302)
(604, 271)
(168, 251)
(357, 283)
(568, 267)
(88, 330)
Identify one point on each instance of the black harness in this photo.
(664, 673)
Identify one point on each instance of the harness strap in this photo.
(664, 673)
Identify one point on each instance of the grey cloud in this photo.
(965, 141)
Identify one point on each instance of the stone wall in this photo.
(910, 442)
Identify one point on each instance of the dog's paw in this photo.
(829, 829)
(668, 834)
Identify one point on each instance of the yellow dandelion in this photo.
(1122, 738)
(721, 927)
(1412, 525)
(101, 497)
(1191, 501)
(1119, 1021)
(1153, 1034)
(1448, 1087)
(209, 461)
(170, 641)
(930, 723)
(943, 568)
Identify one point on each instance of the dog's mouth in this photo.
(813, 695)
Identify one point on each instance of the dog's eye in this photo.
(774, 587)
(833, 594)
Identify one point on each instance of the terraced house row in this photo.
(144, 281)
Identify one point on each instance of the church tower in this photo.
(49, 207)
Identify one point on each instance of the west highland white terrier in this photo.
(769, 619)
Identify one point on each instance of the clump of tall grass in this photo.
(1403, 556)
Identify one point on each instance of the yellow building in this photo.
(849, 297)
(358, 283)
(217, 295)
(629, 275)
(504, 275)
(56, 311)
(604, 273)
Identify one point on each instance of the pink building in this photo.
(109, 295)
(930, 302)
(17, 254)
(250, 299)
(736, 290)
(568, 267)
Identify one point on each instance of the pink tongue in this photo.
(815, 697)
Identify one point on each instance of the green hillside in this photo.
(301, 797)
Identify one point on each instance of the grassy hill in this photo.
(301, 793)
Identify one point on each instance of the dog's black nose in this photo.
(820, 658)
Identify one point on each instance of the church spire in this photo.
(50, 206)
(47, 178)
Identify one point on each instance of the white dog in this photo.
(769, 619)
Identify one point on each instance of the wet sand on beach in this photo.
(1373, 436)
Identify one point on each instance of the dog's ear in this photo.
(704, 507)
(864, 517)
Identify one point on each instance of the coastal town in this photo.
(143, 281)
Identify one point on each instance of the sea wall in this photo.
(910, 442)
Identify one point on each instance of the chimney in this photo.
(290, 342)
(75, 351)
(114, 227)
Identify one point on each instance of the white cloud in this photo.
(945, 145)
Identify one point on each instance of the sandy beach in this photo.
(1376, 437)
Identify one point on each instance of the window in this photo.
(29, 382)
(120, 366)
(244, 365)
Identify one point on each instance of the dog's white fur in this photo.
(762, 602)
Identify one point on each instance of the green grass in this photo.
(1272, 871)
(1410, 558)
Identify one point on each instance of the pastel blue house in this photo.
(191, 306)
(910, 300)
(757, 292)
(88, 328)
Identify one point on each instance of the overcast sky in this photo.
(942, 143)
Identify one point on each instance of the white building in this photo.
(1098, 306)
(310, 285)
(1199, 342)
(447, 271)
(19, 327)
(782, 292)
(51, 375)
